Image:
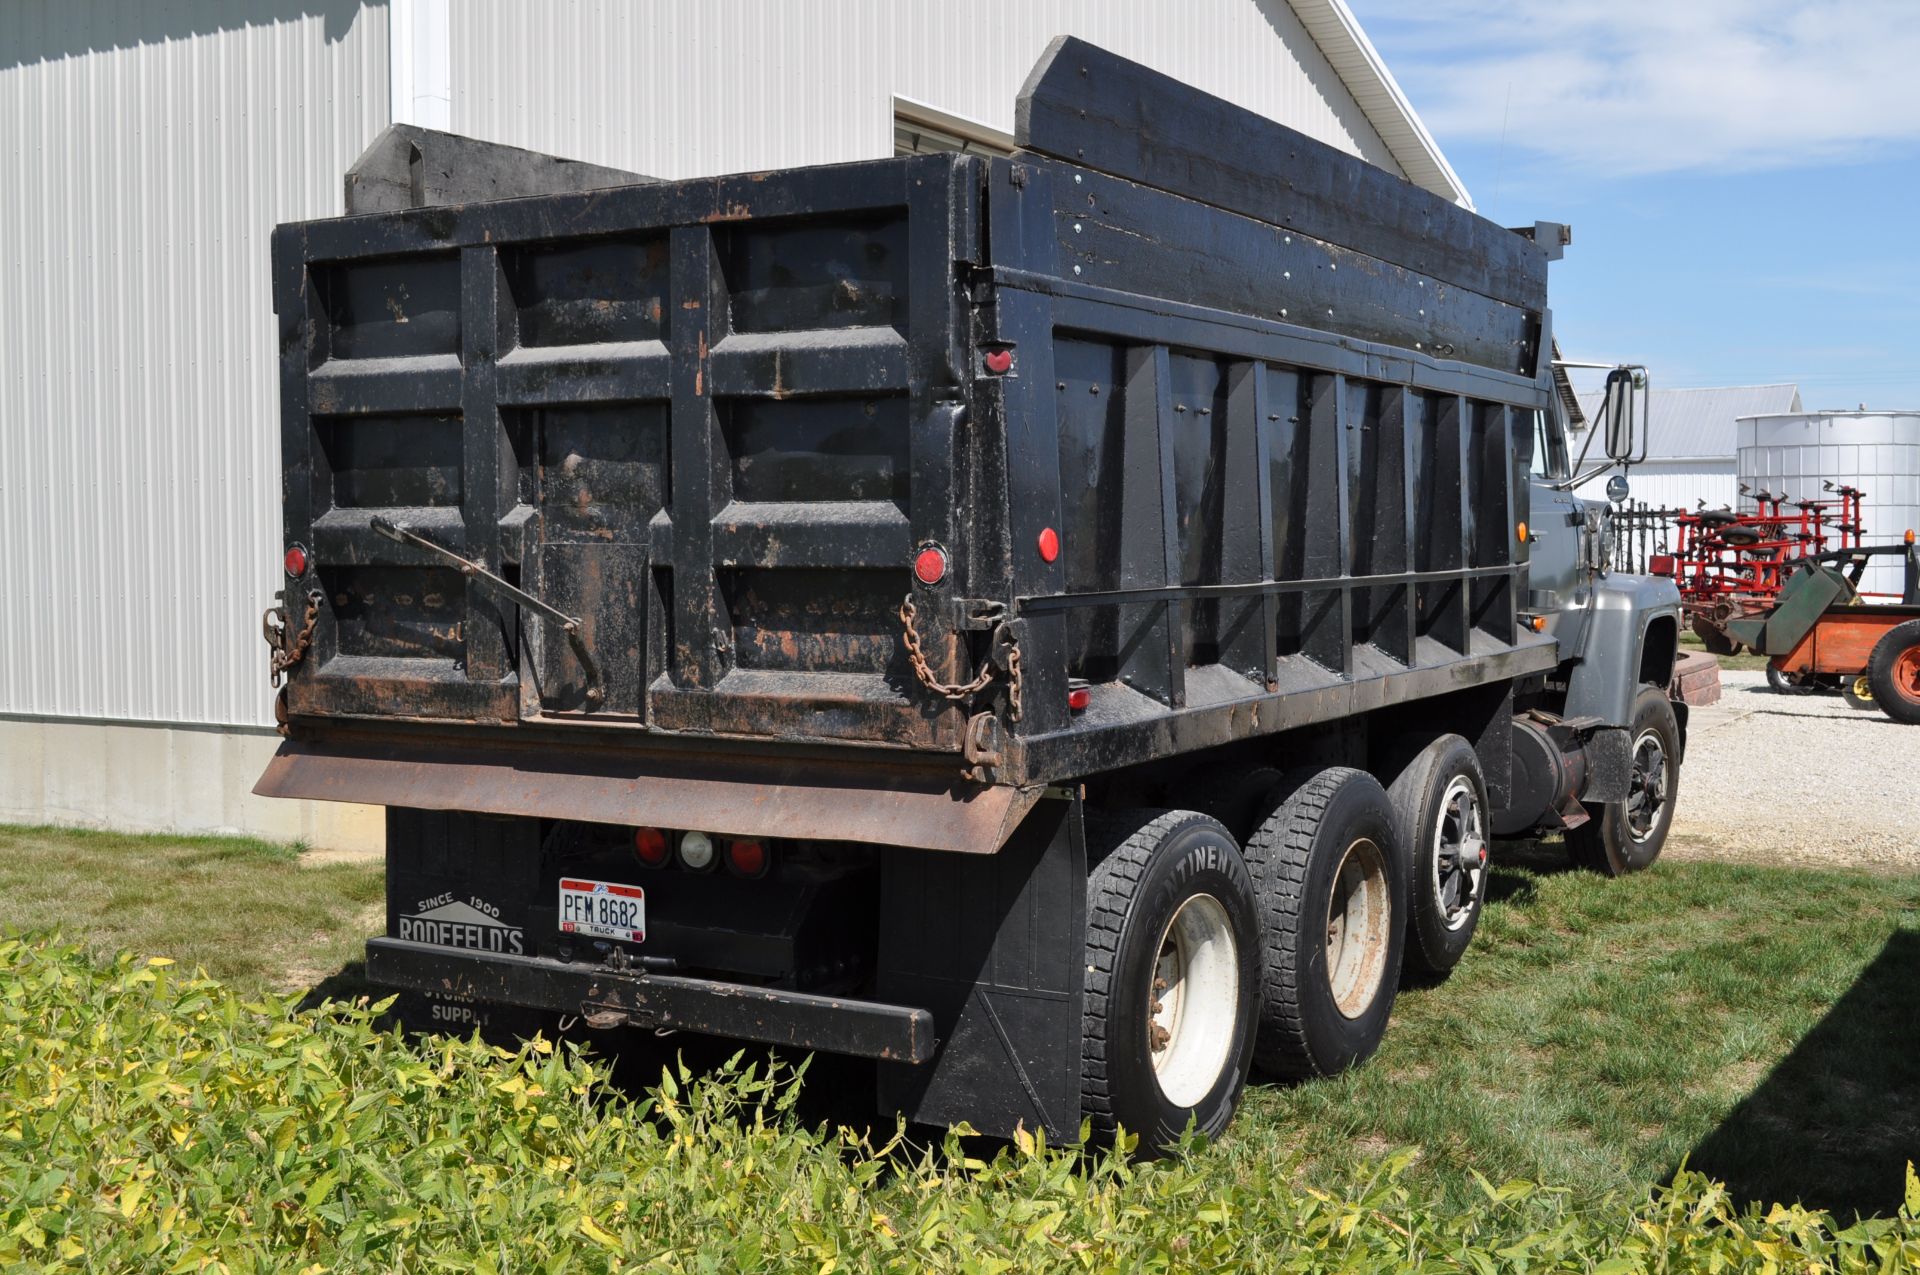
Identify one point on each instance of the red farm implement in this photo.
(1732, 565)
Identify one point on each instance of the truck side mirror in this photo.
(1625, 395)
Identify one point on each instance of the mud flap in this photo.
(1609, 764)
(994, 946)
(462, 881)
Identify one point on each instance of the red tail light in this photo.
(1078, 698)
(999, 362)
(930, 565)
(650, 847)
(296, 561)
(747, 857)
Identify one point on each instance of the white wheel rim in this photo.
(1192, 1000)
(1458, 864)
(1359, 924)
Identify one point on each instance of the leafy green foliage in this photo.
(151, 1120)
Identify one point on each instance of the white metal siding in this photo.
(1680, 484)
(148, 151)
(685, 90)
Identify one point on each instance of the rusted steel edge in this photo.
(770, 798)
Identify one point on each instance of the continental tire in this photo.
(1625, 836)
(1440, 811)
(1333, 895)
(1893, 671)
(1172, 976)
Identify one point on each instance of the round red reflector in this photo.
(930, 565)
(1078, 698)
(748, 858)
(296, 562)
(1049, 544)
(999, 361)
(650, 846)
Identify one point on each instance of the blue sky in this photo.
(1742, 176)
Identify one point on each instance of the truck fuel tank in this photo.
(1559, 763)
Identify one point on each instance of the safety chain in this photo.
(1013, 680)
(274, 625)
(921, 670)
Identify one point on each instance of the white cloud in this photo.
(1643, 86)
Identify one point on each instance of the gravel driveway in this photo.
(1800, 779)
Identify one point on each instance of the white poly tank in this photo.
(1878, 452)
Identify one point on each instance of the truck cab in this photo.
(1618, 632)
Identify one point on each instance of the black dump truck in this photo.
(1066, 627)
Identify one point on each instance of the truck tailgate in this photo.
(705, 419)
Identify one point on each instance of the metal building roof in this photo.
(1697, 424)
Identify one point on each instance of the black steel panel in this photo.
(994, 946)
(1084, 104)
(1135, 239)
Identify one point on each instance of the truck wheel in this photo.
(1440, 819)
(1238, 796)
(1333, 892)
(1172, 976)
(1893, 671)
(1858, 692)
(1625, 836)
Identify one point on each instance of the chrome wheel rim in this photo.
(1459, 860)
(1193, 1001)
(1648, 786)
(1359, 927)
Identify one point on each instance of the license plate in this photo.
(604, 909)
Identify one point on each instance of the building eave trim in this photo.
(1360, 67)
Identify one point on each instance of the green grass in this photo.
(1755, 1022)
(247, 911)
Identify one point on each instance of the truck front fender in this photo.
(1631, 638)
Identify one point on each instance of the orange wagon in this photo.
(1821, 626)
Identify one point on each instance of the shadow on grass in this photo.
(1518, 867)
(1835, 1123)
(348, 984)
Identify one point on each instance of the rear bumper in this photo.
(867, 1029)
(876, 799)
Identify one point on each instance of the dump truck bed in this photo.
(1231, 451)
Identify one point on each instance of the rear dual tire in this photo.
(1301, 939)
(1172, 976)
(1333, 890)
(1440, 814)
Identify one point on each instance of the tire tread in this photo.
(1113, 883)
(1278, 856)
(1886, 696)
